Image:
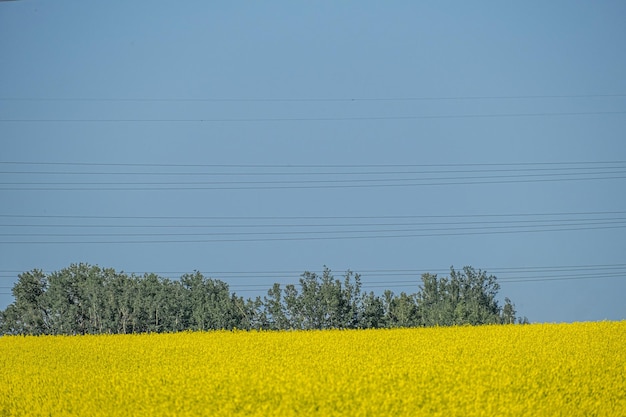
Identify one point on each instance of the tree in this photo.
(403, 311)
(174, 317)
(83, 299)
(323, 302)
(508, 312)
(311, 308)
(28, 314)
(293, 309)
(373, 312)
(195, 300)
(69, 298)
(430, 300)
(467, 297)
(243, 313)
(478, 304)
(274, 310)
(221, 311)
(208, 302)
(353, 300)
(120, 291)
(150, 304)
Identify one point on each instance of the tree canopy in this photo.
(87, 299)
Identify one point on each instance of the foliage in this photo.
(466, 297)
(566, 369)
(87, 299)
(28, 314)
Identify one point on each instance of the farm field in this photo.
(539, 370)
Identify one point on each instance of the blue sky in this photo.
(389, 139)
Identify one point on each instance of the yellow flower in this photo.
(543, 369)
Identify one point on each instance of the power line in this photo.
(584, 170)
(369, 181)
(92, 164)
(427, 216)
(543, 270)
(617, 271)
(479, 224)
(514, 226)
(314, 238)
(305, 185)
(305, 99)
(319, 119)
(415, 282)
(383, 271)
(547, 222)
(539, 274)
(256, 288)
(588, 175)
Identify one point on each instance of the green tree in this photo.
(403, 311)
(70, 299)
(209, 303)
(430, 300)
(467, 297)
(149, 304)
(120, 292)
(174, 317)
(195, 300)
(260, 319)
(323, 302)
(244, 313)
(29, 313)
(387, 300)
(333, 302)
(274, 309)
(311, 308)
(352, 301)
(508, 312)
(292, 308)
(478, 304)
(83, 299)
(373, 312)
(220, 305)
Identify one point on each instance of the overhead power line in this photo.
(280, 185)
(378, 271)
(372, 278)
(500, 223)
(588, 175)
(511, 223)
(292, 166)
(209, 229)
(415, 283)
(307, 99)
(292, 177)
(521, 172)
(510, 227)
(381, 271)
(315, 119)
(584, 170)
(373, 235)
(492, 270)
(419, 216)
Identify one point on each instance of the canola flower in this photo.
(536, 370)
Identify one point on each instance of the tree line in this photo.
(87, 299)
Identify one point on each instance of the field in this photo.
(535, 370)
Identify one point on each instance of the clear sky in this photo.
(254, 141)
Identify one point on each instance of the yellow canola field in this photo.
(535, 370)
